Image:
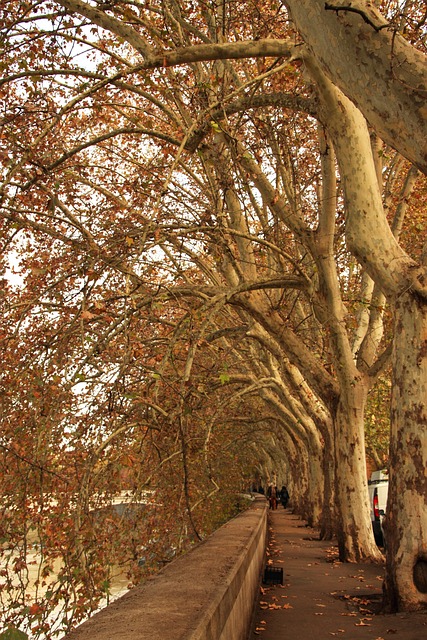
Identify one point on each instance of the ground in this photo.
(321, 597)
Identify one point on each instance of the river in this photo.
(30, 576)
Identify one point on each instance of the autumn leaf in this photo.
(87, 315)
(35, 609)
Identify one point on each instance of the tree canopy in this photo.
(213, 241)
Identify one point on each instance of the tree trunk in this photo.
(371, 240)
(354, 528)
(406, 520)
(328, 516)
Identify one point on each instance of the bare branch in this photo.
(263, 48)
(109, 23)
(337, 8)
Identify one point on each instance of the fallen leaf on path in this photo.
(287, 606)
(319, 614)
(361, 624)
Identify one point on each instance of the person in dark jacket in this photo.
(284, 496)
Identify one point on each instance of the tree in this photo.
(242, 265)
(403, 279)
(405, 587)
(47, 168)
(375, 42)
(65, 452)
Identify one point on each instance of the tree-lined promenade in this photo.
(215, 215)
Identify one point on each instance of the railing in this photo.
(206, 594)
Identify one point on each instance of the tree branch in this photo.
(109, 23)
(263, 48)
(280, 99)
(337, 8)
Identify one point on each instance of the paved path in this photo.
(322, 598)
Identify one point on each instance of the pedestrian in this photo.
(284, 496)
(272, 495)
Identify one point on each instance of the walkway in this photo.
(321, 597)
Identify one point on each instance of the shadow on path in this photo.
(321, 597)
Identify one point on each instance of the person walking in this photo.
(272, 495)
(284, 496)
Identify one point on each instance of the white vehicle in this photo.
(378, 492)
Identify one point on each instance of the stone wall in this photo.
(206, 594)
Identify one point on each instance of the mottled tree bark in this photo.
(373, 65)
(405, 283)
(406, 520)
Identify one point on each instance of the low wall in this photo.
(206, 594)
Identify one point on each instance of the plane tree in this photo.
(239, 272)
(90, 411)
(188, 112)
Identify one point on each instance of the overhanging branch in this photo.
(366, 18)
(263, 48)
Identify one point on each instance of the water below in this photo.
(27, 578)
